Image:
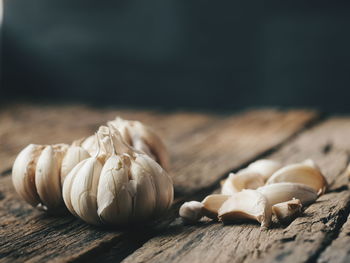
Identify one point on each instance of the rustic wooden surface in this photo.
(203, 149)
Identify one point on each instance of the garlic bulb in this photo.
(137, 135)
(118, 185)
(36, 175)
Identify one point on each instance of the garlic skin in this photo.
(244, 179)
(287, 211)
(282, 192)
(138, 136)
(305, 173)
(191, 212)
(247, 204)
(118, 186)
(36, 176)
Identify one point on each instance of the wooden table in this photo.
(203, 148)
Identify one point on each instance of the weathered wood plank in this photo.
(28, 234)
(301, 241)
(24, 124)
(338, 251)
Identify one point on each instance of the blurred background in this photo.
(178, 54)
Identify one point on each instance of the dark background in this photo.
(194, 54)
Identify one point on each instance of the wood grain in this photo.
(197, 143)
(302, 241)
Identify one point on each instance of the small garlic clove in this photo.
(145, 194)
(73, 156)
(282, 192)
(23, 173)
(287, 211)
(247, 204)
(113, 198)
(84, 191)
(90, 145)
(191, 212)
(242, 180)
(212, 204)
(47, 179)
(264, 167)
(303, 173)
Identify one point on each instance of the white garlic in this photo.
(137, 135)
(36, 175)
(119, 185)
(191, 211)
(282, 192)
(242, 180)
(287, 211)
(247, 204)
(264, 167)
(305, 173)
(212, 204)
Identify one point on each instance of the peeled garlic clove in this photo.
(282, 192)
(162, 182)
(247, 204)
(300, 173)
(23, 173)
(84, 191)
(113, 198)
(242, 180)
(145, 190)
(191, 211)
(212, 204)
(287, 211)
(73, 156)
(47, 178)
(264, 167)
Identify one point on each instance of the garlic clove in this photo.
(90, 145)
(145, 190)
(287, 211)
(144, 139)
(304, 173)
(113, 198)
(23, 173)
(47, 178)
(162, 182)
(67, 187)
(212, 204)
(191, 212)
(73, 156)
(242, 180)
(84, 191)
(282, 192)
(247, 204)
(264, 167)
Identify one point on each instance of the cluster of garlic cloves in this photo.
(101, 179)
(117, 186)
(262, 189)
